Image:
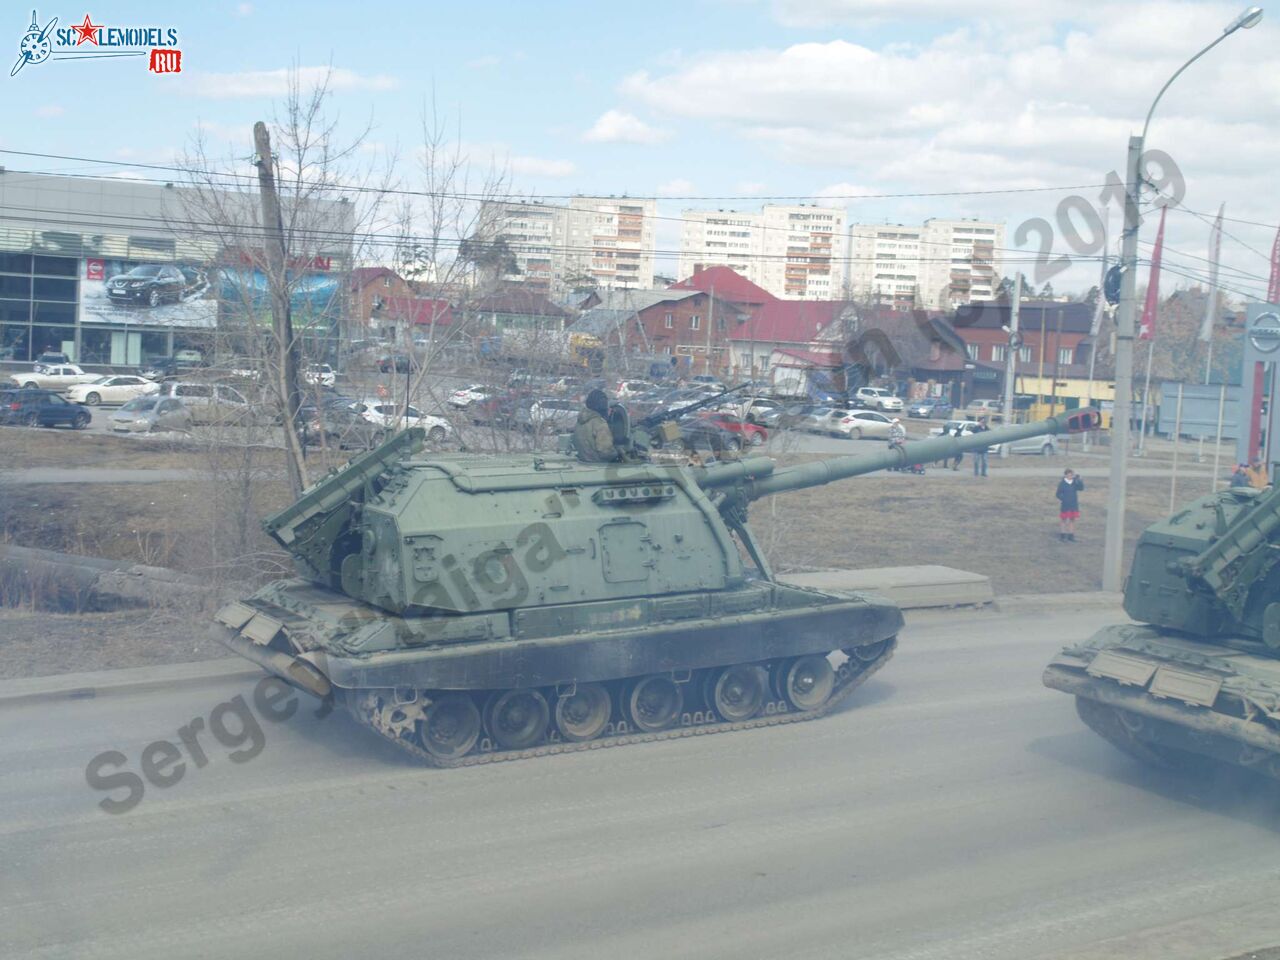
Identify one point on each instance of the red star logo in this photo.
(88, 31)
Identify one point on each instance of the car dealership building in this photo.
(119, 272)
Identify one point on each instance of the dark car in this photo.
(343, 428)
(929, 408)
(162, 368)
(41, 408)
(705, 436)
(394, 362)
(150, 283)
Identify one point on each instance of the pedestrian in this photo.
(1069, 488)
(1240, 475)
(957, 432)
(1257, 474)
(980, 454)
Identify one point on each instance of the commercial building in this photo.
(939, 265)
(796, 252)
(117, 272)
(607, 242)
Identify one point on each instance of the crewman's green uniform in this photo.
(592, 438)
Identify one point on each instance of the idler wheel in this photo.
(804, 682)
(583, 714)
(654, 703)
(869, 652)
(450, 726)
(517, 718)
(737, 692)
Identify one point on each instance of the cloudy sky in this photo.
(725, 103)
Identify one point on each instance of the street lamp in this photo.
(1113, 548)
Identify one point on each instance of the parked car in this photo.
(794, 414)
(320, 374)
(343, 428)
(705, 380)
(160, 368)
(929, 408)
(704, 436)
(750, 433)
(471, 394)
(547, 415)
(51, 358)
(877, 398)
(53, 377)
(193, 357)
(41, 408)
(983, 408)
(148, 283)
(396, 416)
(567, 386)
(210, 402)
(627, 389)
(113, 389)
(862, 424)
(764, 411)
(394, 363)
(151, 414)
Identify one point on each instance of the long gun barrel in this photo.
(653, 419)
(761, 483)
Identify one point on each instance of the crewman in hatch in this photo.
(592, 438)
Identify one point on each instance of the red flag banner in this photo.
(1273, 288)
(1147, 328)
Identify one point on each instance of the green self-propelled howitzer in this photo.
(1200, 671)
(471, 608)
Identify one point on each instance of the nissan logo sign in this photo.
(1265, 335)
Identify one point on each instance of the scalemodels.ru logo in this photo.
(89, 40)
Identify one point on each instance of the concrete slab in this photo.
(911, 588)
(81, 686)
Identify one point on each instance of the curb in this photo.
(1028, 601)
(101, 683)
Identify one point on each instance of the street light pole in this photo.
(1113, 547)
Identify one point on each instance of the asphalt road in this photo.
(954, 809)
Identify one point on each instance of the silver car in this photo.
(150, 414)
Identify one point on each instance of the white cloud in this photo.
(679, 187)
(481, 63)
(618, 126)
(275, 83)
(50, 110)
(244, 10)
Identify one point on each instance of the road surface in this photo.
(955, 809)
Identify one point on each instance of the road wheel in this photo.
(31, 420)
(737, 692)
(31, 385)
(80, 422)
(583, 714)
(654, 703)
(756, 438)
(92, 399)
(436, 435)
(804, 682)
(855, 433)
(1046, 450)
(153, 298)
(450, 726)
(517, 718)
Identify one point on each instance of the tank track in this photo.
(849, 676)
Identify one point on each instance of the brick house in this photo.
(370, 289)
(1055, 342)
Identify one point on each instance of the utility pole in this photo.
(286, 366)
(1113, 545)
(1011, 357)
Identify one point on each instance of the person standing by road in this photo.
(1069, 488)
(958, 431)
(980, 454)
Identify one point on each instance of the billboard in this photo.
(315, 299)
(147, 294)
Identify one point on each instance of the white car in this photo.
(857, 424)
(395, 416)
(320, 374)
(878, 398)
(117, 389)
(628, 389)
(53, 377)
(470, 394)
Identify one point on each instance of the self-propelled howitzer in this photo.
(1200, 672)
(471, 608)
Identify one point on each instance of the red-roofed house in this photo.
(370, 288)
(726, 284)
(419, 311)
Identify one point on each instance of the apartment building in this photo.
(606, 240)
(794, 252)
(939, 265)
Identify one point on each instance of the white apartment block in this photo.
(721, 238)
(938, 265)
(794, 252)
(609, 239)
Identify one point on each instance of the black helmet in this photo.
(598, 401)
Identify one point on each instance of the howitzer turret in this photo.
(1200, 674)
(473, 608)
